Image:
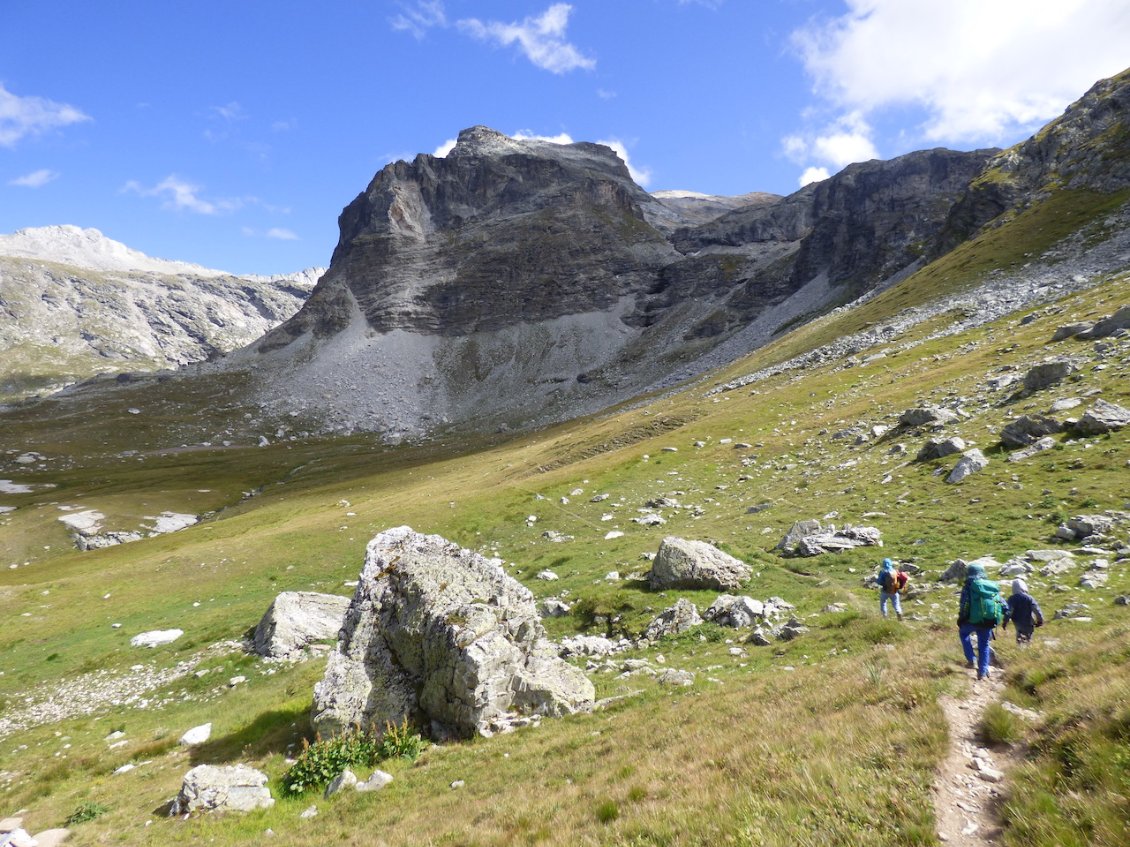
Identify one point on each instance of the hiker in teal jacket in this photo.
(980, 611)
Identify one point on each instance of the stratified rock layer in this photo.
(443, 637)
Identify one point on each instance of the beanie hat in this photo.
(888, 564)
(1019, 587)
(974, 571)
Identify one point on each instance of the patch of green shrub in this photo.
(400, 742)
(321, 762)
(86, 812)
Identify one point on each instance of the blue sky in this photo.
(232, 133)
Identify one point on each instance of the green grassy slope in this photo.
(806, 742)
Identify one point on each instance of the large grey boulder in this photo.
(1108, 326)
(1037, 446)
(679, 618)
(1048, 373)
(297, 619)
(1027, 429)
(442, 636)
(811, 538)
(695, 564)
(230, 788)
(1101, 418)
(927, 416)
(940, 449)
(970, 462)
(737, 611)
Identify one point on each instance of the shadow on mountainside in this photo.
(275, 731)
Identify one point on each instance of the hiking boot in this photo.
(969, 663)
(900, 616)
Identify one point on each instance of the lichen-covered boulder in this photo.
(297, 619)
(442, 636)
(695, 564)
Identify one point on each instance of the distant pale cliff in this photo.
(74, 303)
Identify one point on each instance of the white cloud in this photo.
(812, 175)
(35, 179)
(281, 234)
(232, 111)
(982, 72)
(542, 38)
(418, 19)
(526, 135)
(843, 148)
(641, 175)
(445, 148)
(178, 194)
(21, 117)
(605, 94)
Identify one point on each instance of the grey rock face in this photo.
(1102, 417)
(679, 618)
(297, 619)
(971, 462)
(680, 563)
(233, 788)
(1027, 429)
(940, 449)
(442, 636)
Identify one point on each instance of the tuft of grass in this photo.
(1000, 726)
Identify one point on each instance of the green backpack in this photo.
(985, 607)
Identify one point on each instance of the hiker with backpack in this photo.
(1024, 612)
(891, 582)
(980, 611)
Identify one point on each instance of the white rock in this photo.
(156, 637)
(196, 736)
(378, 780)
(345, 779)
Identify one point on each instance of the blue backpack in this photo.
(985, 608)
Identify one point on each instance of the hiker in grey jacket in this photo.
(1024, 612)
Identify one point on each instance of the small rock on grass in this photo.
(376, 782)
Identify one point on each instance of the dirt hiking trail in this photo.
(968, 786)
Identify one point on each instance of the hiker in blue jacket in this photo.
(1024, 612)
(979, 612)
(889, 588)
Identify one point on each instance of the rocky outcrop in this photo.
(443, 637)
(297, 619)
(680, 563)
(228, 788)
